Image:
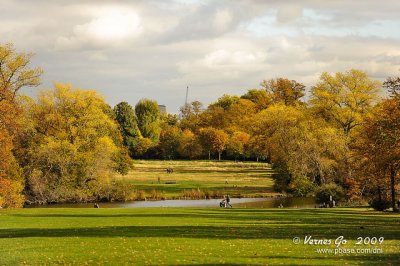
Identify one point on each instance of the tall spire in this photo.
(186, 98)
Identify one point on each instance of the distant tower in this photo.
(163, 108)
(186, 98)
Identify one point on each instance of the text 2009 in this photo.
(370, 240)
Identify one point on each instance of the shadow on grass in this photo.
(215, 224)
(364, 259)
(275, 231)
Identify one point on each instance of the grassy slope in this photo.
(189, 236)
(248, 179)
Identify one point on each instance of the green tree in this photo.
(148, 115)
(126, 119)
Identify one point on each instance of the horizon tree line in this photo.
(67, 144)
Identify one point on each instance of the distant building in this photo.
(163, 108)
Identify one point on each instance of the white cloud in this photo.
(224, 57)
(222, 20)
(289, 13)
(133, 49)
(110, 28)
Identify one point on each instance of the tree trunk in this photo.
(392, 187)
(209, 155)
(219, 156)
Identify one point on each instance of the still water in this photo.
(291, 202)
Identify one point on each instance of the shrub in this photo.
(380, 204)
(193, 194)
(116, 191)
(156, 195)
(301, 186)
(324, 192)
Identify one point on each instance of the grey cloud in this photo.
(203, 44)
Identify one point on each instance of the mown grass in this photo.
(242, 179)
(180, 236)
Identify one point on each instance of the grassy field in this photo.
(156, 236)
(246, 179)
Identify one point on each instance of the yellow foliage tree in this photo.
(71, 149)
(345, 98)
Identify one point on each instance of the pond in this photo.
(290, 202)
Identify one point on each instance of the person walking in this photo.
(228, 200)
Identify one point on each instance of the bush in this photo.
(324, 192)
(380, 204)
(301, 186)
(116, 191)
(156, 195)
(193, 194)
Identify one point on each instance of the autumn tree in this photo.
(148, 115)
(169, 142)
(15, 74)
(237, 144)
(213, 140)
(189, 145)
(304, 150)
(392, 84)
(284, 90)
(239, 116)
(344, 98)
(258, 147)
(125, 116)
(378, 149)
(226, 101)
(144, 145)
(260, 97)
(70, 156)
(190, 115)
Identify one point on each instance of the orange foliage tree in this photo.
(15, 73)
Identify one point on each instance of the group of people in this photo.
(225, 203)
(330, 204)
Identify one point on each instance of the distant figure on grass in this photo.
(280, 205)
(222, 204)
(96, 206)
(169, 170)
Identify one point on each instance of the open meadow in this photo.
(181, 236)
(197, 179)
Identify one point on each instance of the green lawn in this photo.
(181, 236)
(246, 179)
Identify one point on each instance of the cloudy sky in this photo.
(129, 50)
